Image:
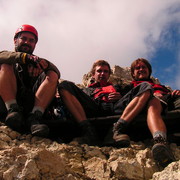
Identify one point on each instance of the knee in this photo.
(52, 77)
(63, 92)
(145, 95)
(155, 104)
(66, 85)
(6, 68)
(148, 93)
(146, 86)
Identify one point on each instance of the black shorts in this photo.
(120, 105)
(90, 107)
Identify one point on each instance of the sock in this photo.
(9, 103)
(120, 126)
(84, 123)
(160, 134)
(38, 108)
(122, 121)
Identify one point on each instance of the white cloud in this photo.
(74, 33)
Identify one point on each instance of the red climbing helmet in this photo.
(26, 28)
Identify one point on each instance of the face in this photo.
(26, 42)
(102, 73)
(141, 71)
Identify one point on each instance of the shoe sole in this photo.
(122, 141)
(121, 144)
(162, 155)
(41, 132)
(14, 121)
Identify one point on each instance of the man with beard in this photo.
(27, 84)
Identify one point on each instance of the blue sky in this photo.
(165, 61)
(75, 33)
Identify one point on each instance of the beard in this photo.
(24, 48)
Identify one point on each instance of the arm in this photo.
(8, 57)
(40, 64)
(160, 90)
(175, 93)
(52, 67)
(114, 96)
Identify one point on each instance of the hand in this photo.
(175, 93)
(43, 63)
(158, 95)
(113, 97)
(33, 71)
(38, 62)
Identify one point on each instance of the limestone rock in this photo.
(24, 157)
(120, 75)
(172, 172)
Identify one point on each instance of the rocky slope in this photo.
(23, 157)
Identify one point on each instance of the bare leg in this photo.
(8, 90)
(73, 105)
(135, 106)
(47, 90)
(44, 95)
(8, 87)
(154, 119)
(131, 111)
(160, 151)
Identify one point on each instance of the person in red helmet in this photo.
(26, 47)
(27, 84)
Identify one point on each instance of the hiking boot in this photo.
(120, 138)
(108, 139)
(161, 152)
(36, 128)
(14, 118)
(89, 135)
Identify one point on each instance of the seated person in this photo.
(28, 84)
(95, 103)
(141, 71)
(101, 98)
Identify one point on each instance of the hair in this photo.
(146, 62)
(99, 63)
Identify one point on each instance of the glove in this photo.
(35, 61)
(29, 59)
(32, 59)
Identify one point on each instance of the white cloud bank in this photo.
(75, 33)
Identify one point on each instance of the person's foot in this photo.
(120, 138)
(89, 135)
(37, 129)
(161, 152)
(14, 118)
